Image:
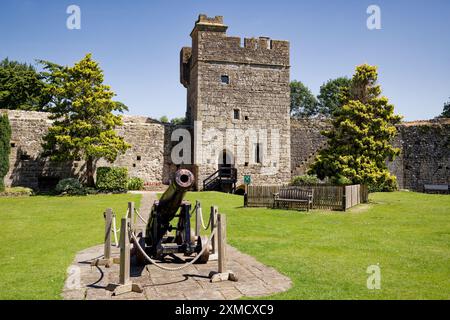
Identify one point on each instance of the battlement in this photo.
(205, 23)
(211, 44)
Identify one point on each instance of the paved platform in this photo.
(254, 280)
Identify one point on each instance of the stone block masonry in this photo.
(148, 158)
(424, 150)
(242, 88)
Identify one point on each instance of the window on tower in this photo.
(237, 114)
(225, 79)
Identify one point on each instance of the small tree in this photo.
(303, 102)
(21, 87)
(82, 109)
(5, 148)
(446, 112)
(360, 141)
(330, 98)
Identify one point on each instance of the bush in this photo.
(305, 180)
(112, 179)
(71, 187)
(384, 183)
(16, 192)
(135, 183)
(341, 181)
(5, 148)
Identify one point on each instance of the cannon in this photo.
(159, 241)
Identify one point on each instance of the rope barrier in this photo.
(201, 217)
(140, 217)
(158, 265)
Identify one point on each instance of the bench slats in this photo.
(293, 194)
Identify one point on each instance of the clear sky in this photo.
(137, 43)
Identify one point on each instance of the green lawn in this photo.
(40, 236)
(326, 254)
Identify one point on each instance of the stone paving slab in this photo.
(192, 283)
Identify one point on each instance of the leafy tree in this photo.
(21, 87)
(5, 148)
(164, 119)
(82, 109)
(178, 121)
(446, 112)
(303, 103)
(360, 141)
(330, 98)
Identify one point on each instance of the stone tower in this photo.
(238, 102)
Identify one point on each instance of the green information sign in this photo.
(247, 179)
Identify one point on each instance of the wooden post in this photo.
(131, 215)
(222, 273)
(213, 218)
(125, 285)
(222, 248)
(124, 252)
(198, 222)
(106, 260)
(344, 201)
(108, 225)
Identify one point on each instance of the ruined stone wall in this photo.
(306, 141)
(148, 158)
(258, 89)
(425, 153)
(424, 145)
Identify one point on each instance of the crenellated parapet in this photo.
(210, 44)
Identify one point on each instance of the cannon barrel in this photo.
(172, 198)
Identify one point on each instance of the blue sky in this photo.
(137, 44)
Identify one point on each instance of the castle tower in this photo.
(238, 102)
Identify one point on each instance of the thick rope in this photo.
(187, 264)
(197, 205)
(203, 222)
(140, 217)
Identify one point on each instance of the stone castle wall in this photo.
(424, 145)
(148, 158)
(424, 158)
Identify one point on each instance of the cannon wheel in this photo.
(205, 256)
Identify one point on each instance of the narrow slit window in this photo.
(258, 153)
(236, 114)
(225, 79)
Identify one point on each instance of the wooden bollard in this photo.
(131, 216)
(222, 274)
(213, 218)
(106, 260)
(222, 245)
(198, 222)
(124, 277)
(125, 285)
(108, 226)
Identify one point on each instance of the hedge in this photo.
(5, 148)
(112, 179)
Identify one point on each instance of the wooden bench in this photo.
(290, 195)
(435, 188)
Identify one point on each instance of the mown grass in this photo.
(39, 237)
(326, 254)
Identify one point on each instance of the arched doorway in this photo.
(227, 171)
(226, 159)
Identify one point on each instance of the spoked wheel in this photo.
(202, 241)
